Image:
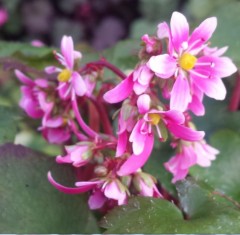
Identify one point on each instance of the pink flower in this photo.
(162, 121)
(71, 82)
(3, 16)
(187, 65)
(31, 91)
(190, 153)
(77, 155)
(138, 81)
(146, 185)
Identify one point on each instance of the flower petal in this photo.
(23, 78)
(185, 133)
(143, 103)
(113, 191)
(202, 33)
(120, 92)
(180, 94)
(163, 65)
(134, 162)
(179, 30)
(212, 87)
(83, 188)
(79, 85)
(96, 200)
(68, 50)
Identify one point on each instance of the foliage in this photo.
(206, 202)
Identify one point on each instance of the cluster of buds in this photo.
(75, 105)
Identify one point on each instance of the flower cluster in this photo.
(75, 103)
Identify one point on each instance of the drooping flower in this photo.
(186, 63)
(31, 92)
(71, 83)
(189, 154)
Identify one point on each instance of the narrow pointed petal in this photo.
(179, 30)
(68, 50)
(120, 92)
(134, 162)
(70, 190)
(203, 32)
(163, 65)
(180, 94)
(163, 31)
(52, 69)
(23, 78)
(185, 133)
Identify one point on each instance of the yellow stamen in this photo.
(187, 61)
(64, 76)
(154, 118)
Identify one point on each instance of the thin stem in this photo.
(91, 133)
(102, 111)
(80, 136)
(235, 98)
(105, 63)
(227, 198)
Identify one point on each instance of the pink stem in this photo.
(91, 133)
(80, 136)
(235, 98)
(102, 111)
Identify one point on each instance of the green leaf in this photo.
(217, 117)
(224, 172)
(228, 30)
(11, 48)
(124, 54)
(208, 213)
(8, 124)
(29, 203)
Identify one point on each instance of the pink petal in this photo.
(113, 191)
(56, 135)
(23, 78)
(185, 133)
(84, 188)
(143, 103)
(139, 88)
(137, 138)
(52, 69)
(65, 159)
(173, 116)
(212, 87)
(180, 94)
(163, 65)
(134, 162)
(96, 200)
(54, 122)
(163, 31)
(203, 32)
(179, 30)
(121, 91)
(79, 85)
(196, 106)
(122, 143)
(68, 50)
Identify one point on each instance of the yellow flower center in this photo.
(64, 76)
(154, 118)
(187, 61)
